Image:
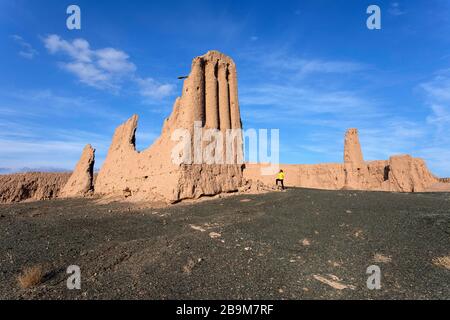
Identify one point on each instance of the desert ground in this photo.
(297, 244)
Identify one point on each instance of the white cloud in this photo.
(282, 61)
(114, 61)
(438, 158)
(78, 49)
(438, 89)
(319, 99)
(394, 9)
(45, 103)
(105, 68)
(395, 136)
(293, 85)
(60, 151)
(150, 88)
(440, 115)
(437, 146)
(27, 51)
(288, 101)
(90, 75)
(320, 66)
(438, 99)
(48, 129)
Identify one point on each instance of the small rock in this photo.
(127, 192)
(215, 235)
(306, 242)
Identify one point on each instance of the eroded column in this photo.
(211, 98)
(197, 87)
(352, 149)
(234, 102)
(224, 99)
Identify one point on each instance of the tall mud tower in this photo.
(355, 169)
(352, 149)
(195, 132)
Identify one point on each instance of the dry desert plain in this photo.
(298, 244)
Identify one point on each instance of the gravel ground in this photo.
(298, 244)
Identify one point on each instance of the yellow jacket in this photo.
(280, 175)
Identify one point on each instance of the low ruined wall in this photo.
(398, 174)
(317, 176)
(208, 180)
(401, 173)
(31, 186)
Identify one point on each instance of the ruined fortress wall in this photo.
(409, 174)
(209, 102)
(401, 173)
(320, 176)
(31, 186)
(252, 171)
(209, 98)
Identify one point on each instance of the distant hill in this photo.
(37, 169)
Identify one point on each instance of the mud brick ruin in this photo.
(401, 173)
(209, 101)
(209, 97)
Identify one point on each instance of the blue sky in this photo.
(310, 68)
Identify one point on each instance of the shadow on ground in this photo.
(299, 244)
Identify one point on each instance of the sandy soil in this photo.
(298, 244)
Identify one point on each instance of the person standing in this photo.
(280, 178)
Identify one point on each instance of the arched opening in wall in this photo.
(216, 69)
(387, 169)
(227, 76)
(133, 138)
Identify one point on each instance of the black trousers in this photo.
(282, 183)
